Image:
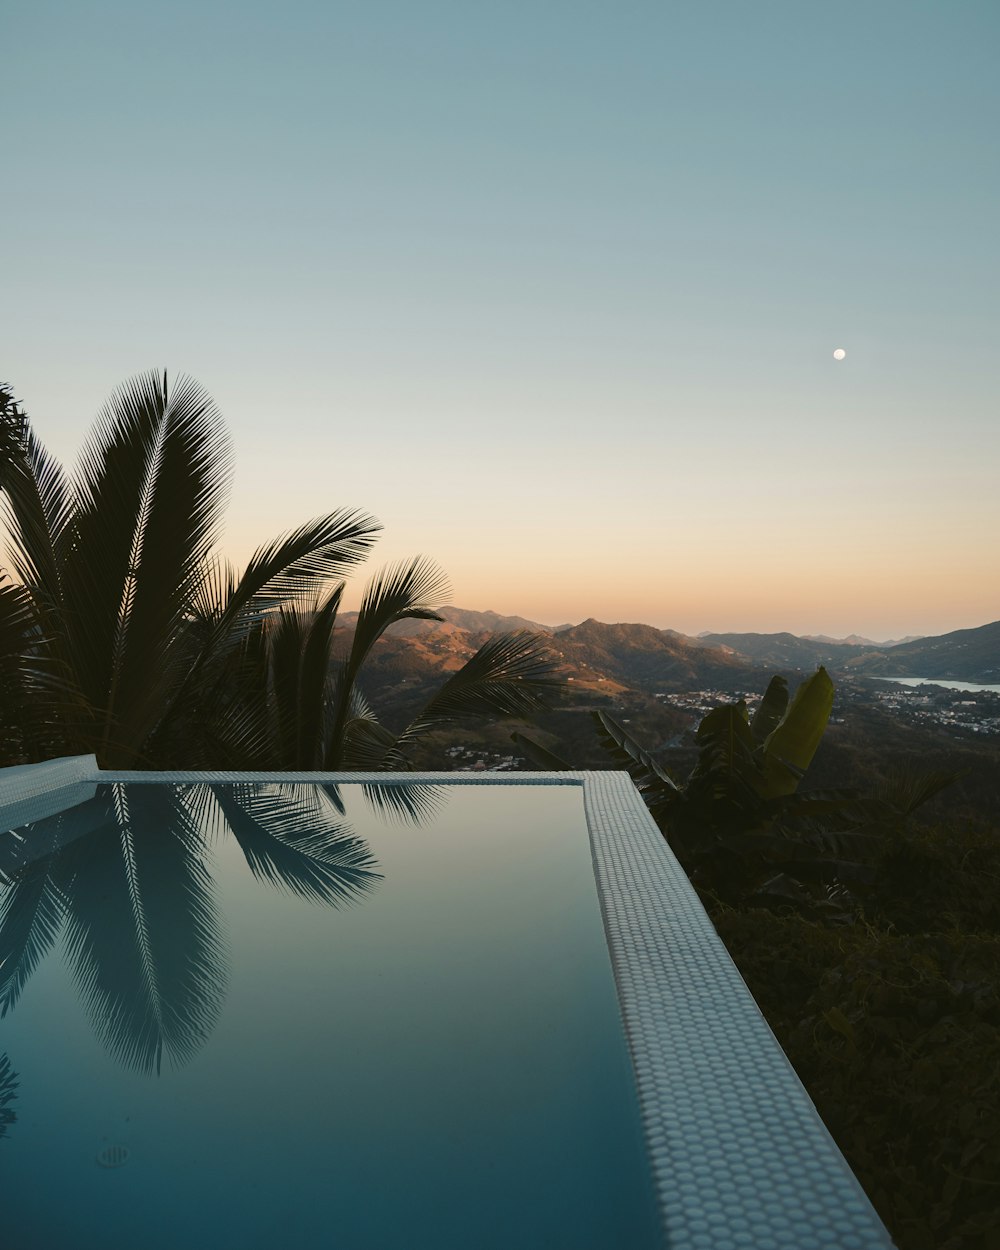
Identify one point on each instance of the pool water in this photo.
(285, 1014)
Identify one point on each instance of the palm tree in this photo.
(313, 709)
(125, 877)
(126, 636)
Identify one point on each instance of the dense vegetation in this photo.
(884, 990)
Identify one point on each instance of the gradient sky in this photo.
(551, 288)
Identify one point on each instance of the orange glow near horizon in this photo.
(877, 594)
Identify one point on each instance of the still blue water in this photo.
(302, 1016)
(948, 682)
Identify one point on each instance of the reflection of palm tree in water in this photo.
(127, 873)
(8, 1083)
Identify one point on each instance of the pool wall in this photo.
(739, 1155)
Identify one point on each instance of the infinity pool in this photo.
(263, 1015)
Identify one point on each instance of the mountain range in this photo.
(597, 654)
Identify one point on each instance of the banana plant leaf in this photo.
(790, 747)
(770, 710)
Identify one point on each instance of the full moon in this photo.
(839, 354)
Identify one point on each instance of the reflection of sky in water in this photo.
(384, 1019)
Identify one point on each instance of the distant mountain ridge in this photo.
(643, 655)
(780, 651)
(595, 652)
(962, 655)
(858, 640)
(462, 619)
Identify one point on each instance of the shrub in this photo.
(897, 1039)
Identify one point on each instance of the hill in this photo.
(963, 655)
(647, 657)
(784, 651)
(858, 640)
(459, 621)
(604, 658)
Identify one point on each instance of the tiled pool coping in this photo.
(739, 1155)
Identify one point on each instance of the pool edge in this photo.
(738, 1153)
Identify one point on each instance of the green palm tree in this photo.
(125, 635)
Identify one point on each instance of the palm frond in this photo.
(37, 509)
(219, 716)
(907, 790)
(30, 693)
(20, 629)
(143, 931)
(406, 590)
(13, 424)
(657, 787)
(409, 588)
(510, 675)
(213, 591)
(283, 655)
(287, 844)
(8, 1086)
(299, 642)
(110, 487)
(288, 570)
(540, 756)
(330, 800)
(152, 481)
(31, 913)
(297, 564)
(403, 802)
(368, 747)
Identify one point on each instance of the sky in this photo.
(551, 289)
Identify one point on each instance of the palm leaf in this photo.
(20, 629)
(540, 756)
(657, 787)
(151, 484)
(403, 802)
(908, 790)
(398, 592)
(8, 1085)
(227, 611)
(287, 842)
(31, 694)
(13, 424)
(143, 933)
(370, 748)
(299, 644)
(32, 907)
(510, 675)
(298, 563)
(37, 509)
(222, 720)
